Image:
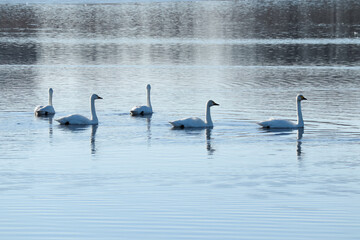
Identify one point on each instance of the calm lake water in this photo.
(136, 178)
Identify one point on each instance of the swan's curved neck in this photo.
(208, 122)
(300, 121)
(93, 111)
(50, 98)
(148, 98)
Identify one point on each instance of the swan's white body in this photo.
(143, 110)
(284, 124)
(46, 110)
(196, 122)
(77, 119)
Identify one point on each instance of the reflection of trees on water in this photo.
(255, 19)
(187, 20)
(13, 53)
(15, 18)
(332, 18)
(17, 21)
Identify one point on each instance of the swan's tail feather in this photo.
(62, 120)
(263, 124)
(177, 125)
(58, 120)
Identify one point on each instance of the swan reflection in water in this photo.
(300, 132)
(82, 128)
(209, 148)
(197, 133)
(92, 141)
(148, 125)
(49, 119)
(299, 142)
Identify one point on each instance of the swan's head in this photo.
(211, 103)
(148, 87)
(300, 98)
(95, 96)
(51, 91)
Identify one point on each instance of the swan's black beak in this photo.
(99, 97)
(216, 104)
(304, 98)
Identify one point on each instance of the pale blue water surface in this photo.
(136, 178)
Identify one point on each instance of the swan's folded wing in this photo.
(277, 123)
(74, 119)
(47, 110)
(140, 110)
(44, 110)
(189, 123)
(38, 108)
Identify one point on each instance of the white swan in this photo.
(77, 119)
(276, 123)
(48, 109)
(143, 110)
(196, 122)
